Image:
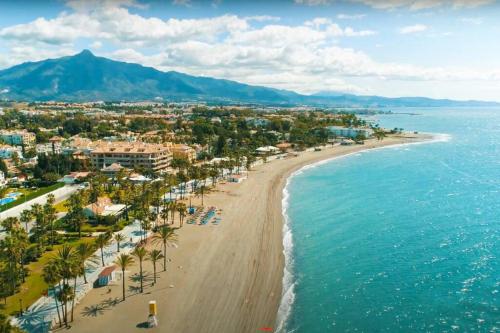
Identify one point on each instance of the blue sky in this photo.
(434, 48)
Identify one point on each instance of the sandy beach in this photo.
(224, 278)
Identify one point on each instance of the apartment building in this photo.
(18, 137)
(131, 155)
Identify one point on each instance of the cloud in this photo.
(313, 2)
(96, 45)
(22, 53)
(350, 17)
(424, 4)
(472, 20)
(263, 18)
(305, 57)
(411, 29)
(410, 4)
(186, 3)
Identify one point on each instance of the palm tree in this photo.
(124, 261)
(164, 214)
(10, 223)
(154, 256)
(173, 209)
(118, 239)
(84, 251)
(39, 231)
(65, 295)
(67, 265)
(165, 235)
(25, 218)
(75, 204)
(51, 276)
(141, 253)
(102, 241)
(181, 209)
(50, 215)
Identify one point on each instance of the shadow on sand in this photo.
(98, 309)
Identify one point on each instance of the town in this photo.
(82, 178)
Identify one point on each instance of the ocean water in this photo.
(402, 239)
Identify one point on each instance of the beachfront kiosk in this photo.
(153, 310)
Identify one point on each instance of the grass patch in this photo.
(61, 207)
(35, 286)
(31, 195)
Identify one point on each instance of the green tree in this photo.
(141, 254)
(155, 256)
(52, 277)
(50, 215)
(124, 261)
(67, 264)
(84, 251)
(102, 241)
(165, 236)
(76, 216)
(119, 238)
(26, 218)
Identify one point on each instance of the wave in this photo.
(289, 282)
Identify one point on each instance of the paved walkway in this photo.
(40, 316)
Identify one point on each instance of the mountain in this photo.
(349, 100)
(86, 77)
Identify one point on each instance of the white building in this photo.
(267, 150)
(7, 151)
(349, 132)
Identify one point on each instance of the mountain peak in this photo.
(85, 53)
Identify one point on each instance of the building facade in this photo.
(183, 152)
(349, 132)
(18, 138)
(131, 155)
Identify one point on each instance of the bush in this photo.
(32, 253)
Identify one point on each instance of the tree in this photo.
(165, 236)
(50, 215)
(26, 218)
(67, 264)
(10, 223)
(124, 261)
(102, 241)
(84, 251)
(164, 214)
(181, 209)
(52, 277)
(141, 254)
(118, 239)
(155, 255)
(40, 224)
(75, 204)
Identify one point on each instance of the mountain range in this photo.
(85, 77)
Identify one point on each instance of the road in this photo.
(60, 194)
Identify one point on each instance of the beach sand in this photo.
(224, 278)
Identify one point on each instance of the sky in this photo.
(431, 48)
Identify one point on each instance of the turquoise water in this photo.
(403, 239)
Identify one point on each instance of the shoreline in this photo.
(229, 277)
(288, 295)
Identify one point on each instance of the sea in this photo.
(399, 239)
